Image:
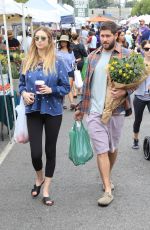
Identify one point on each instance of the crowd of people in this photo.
(54, 63)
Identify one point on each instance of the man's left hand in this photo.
(117, 93)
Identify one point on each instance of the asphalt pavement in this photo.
(75, 190)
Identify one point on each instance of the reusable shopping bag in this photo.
(78, 79)
(21, 131)
(80, 150)
(83, 73)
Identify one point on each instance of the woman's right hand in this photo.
(28, 98)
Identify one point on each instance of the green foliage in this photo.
(69, 2)
(127, 70)
(98, 4)
(142, 7)
(131, 3)
(4, 63)
(14, 71)
(21, 1)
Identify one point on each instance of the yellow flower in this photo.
(127, 65)
(124, 74)
(112, 68)
(120, 71)
(14, 55)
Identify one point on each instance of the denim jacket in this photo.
(59, 83)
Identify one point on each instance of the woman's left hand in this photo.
(44, 89)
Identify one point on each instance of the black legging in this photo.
(139, 106)
(35, 123)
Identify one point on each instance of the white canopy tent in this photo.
(9, 8)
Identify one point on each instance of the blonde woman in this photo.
(43, 105)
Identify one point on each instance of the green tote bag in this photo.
(80, 150)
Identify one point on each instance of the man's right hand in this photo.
(78, 116)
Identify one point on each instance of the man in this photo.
(105, 138)
(12, 42)
(143, 32)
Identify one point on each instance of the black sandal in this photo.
(47, 201)
(36, 189)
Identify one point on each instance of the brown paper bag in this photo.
(112, 104)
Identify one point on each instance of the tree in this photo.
(142, 7)
(69, 2)
(21, 1)
(98, 3)
(130, 3)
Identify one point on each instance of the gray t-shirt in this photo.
(99, 82)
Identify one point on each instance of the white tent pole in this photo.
(9, 65)
(24, 30)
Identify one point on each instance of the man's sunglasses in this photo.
(146, 49)
(42, 38)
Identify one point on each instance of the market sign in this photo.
(81, 8)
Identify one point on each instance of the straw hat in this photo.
(64, 38)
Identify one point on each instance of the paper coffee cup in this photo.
(38, 84)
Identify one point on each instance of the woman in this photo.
(66, 54)
(45, 108)
(79, 53)
(121, 39)
(142, 97)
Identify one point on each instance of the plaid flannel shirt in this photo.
(93, 59)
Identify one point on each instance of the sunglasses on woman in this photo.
(38, 38)
(146, 49)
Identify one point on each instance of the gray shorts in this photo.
(105, 138)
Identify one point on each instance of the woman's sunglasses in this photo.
(146, 49)
(38, 38)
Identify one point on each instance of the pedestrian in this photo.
(12, 42)
(121, 39)
(79, 53)
(43, 105)
(105, 138)
(129, 39)
(143, 29)
(141, 97)
(92, 41)
(66, 54)
(83, 36)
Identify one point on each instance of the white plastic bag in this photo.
(78, 79)
(21, 131)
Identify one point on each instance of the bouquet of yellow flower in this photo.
(126, 73)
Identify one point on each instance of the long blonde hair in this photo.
(32, 57)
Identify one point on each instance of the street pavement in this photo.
(75, 190)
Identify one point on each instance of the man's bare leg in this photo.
(104, 169)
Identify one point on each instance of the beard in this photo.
(109, 46)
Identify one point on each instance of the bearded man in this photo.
(105, 138)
